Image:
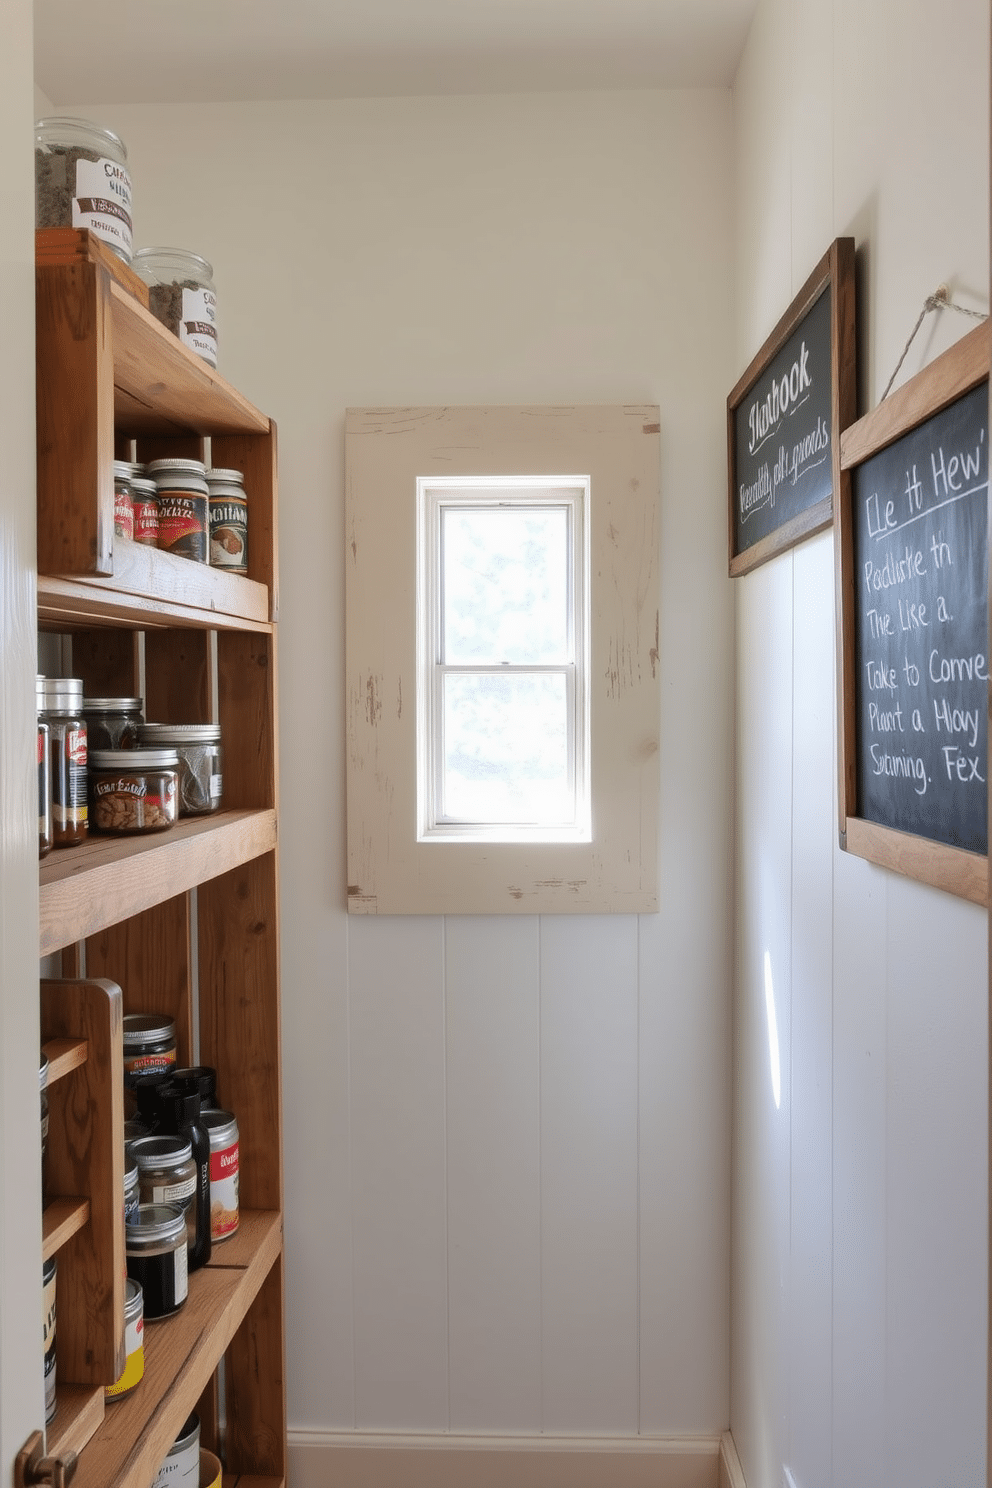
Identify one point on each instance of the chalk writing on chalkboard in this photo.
(921, 627)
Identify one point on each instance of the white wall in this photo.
(507, 1141)
(860, 1216)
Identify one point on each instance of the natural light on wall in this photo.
(503, 647)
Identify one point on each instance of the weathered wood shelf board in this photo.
(149, 589)
(181, 1354)
(86, 888)
(80, 1411)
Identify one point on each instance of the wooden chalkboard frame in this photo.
(835, 272)
(956, 372)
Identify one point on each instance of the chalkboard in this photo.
(785, 414)
(915, 594)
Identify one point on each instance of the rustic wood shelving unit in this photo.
(185, 923)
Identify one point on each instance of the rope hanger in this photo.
(939, 300)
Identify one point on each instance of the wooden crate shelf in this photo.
(62, 1219)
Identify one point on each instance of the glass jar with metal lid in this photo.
(144, 500)
(82, 180)
(133, 790)
(123, 501)
(167, 1175)
(201, 774)
(60, 706)
(181, 487)
(155, 1242)
(182, 296)
(112, 722)
(149, 1049)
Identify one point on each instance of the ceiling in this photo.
(147, 51)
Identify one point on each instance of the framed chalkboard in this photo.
(785, 415)
(912, 604)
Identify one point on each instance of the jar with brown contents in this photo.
(133, 790)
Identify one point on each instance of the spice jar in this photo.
(111, 723)
(60, 706)
(222, 1127)
(82, 180)
(228, 520)
(166, 1172)
(181, 1469)
(149, 1049)
(133, 790)
(155, 1243)
(175, 1116)
(48, 1277)
(123, 502)
(44, 790)
(201, 779)
(181, 486)
(134, 1342)
(144, 500)
(182, 296)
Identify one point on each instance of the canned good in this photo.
(201, 776)
(228, 520)
(181, 1469)
(211, 1471)
(144, 500)
(182, 506)
(48, 1276)
(182, 296)
(155, 1243)
(222, 1128)
(82, 180)
(112, 723)
(133, 790)
(123, 501)
(149, 1049)
(60, 706)
(134, 1342)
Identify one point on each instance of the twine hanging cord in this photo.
(939, 300)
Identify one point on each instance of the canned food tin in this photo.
(155, 1242)
(48, 1275)
(182, 506)
(222, 1128)
(134, 1342)
(181, 1469)
(123, 501)
(228, 520)
(144, 499)
(149, 1049)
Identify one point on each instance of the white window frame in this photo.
(435, 496)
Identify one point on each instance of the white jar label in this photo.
(198, 327)
(216, 787)
(174, 1193)
(102, 202)
(182, 1274)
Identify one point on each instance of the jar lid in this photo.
(134, 1299)
(225, 477)
(141, 485)
(130, 1169)
(134, 760)
(155, 1152)
(222, 1127)
(59, 694)
(174, 263)
(174, 463)
(189, 1434)
(62, 130)
(151, 1222)
(148, 1028)
(123, 470)
(179, 733)
(111, 705)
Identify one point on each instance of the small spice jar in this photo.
(144, 500)
(181, 486)
(44, 790)
(182, 296)
(60, 702)
(48, 1277)
(222, 1127)
(166, 1172)
(181, 1469)
(228, 520)
(201, 776)
(112, 723)
(149, 1049)
(155, 1243)
(133, 790)
(82, 180)
(134, 1342)
(123, 500)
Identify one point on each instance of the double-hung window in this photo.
(503, 659)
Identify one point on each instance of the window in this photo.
(503, 647)
(502, 650)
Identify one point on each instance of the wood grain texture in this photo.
(63, 1055)
(107, 661)
(150, 588)
(86, 1159)
(248, 713)
(150, 957)
(60, 245)
(256, 1385)
(256, 458)
(62, 1219)
(177, 676)
(949, 868)
(79, 1413)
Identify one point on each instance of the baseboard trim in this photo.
(445, 1460)
(731, 1475)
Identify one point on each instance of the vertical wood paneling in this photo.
(494, 1173)
(395, 969)
(589, 1173)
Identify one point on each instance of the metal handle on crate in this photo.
(32, 1467)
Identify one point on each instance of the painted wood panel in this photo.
(493, 1063)
(395, 970)
(589, 1181)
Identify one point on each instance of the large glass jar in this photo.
(82, 180)
(133, 790)
(201, 775)
(112, 722)
(182, 296)
(60, 705)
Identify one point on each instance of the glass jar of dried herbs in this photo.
(181, 294)
(82, 180)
